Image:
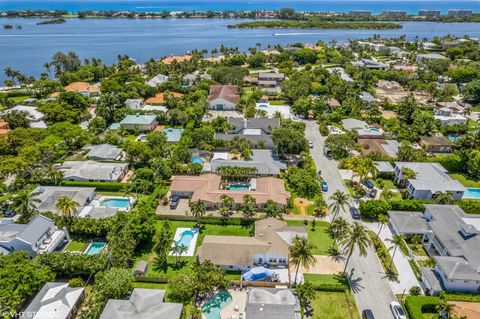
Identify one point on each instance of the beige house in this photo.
(223, 97)
(269, 246)
(209, 188)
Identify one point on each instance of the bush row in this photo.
(330, 287)
(233, 221)
(461, 296)
(383, 254)
(469, 206)
(100, 186)
(417, 305)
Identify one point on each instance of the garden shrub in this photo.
(76, 282)
(323, 130)
(451, 162)
(416, 306)
(410, 204)
(469, 206)
(372, 209)
(99, 186)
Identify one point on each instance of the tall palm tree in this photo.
(177, 250)
(66, 206)
(397, 242)
(408, 173)
(227, 201)
(249, 205)
(198, 209)
(301, 254)
(382, 221)
(25, 203)
(444, 198)
(444, 309)
(339, 201)
(339, 227)
(356, 236)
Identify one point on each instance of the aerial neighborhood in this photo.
(325, 180)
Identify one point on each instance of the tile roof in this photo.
(226, 92)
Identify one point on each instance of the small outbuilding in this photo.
(141, 268)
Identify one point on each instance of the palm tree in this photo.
(198, 209)
(66, 206)
(382, 221)
(355, 236)
(227, 201)
(305, 293)
(24, 203)
(177, 250)
(444, 309)
(387, 195)
(301, 253)
(444, 198)
(397, 242)
(408, 173)
(249, 205)
(339, 227)
(339, 201)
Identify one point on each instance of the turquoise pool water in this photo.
(115, 202)
(185, 238)
(212, 308)
(374, 129)
(95, 248)
(239, 187)
(197, 160)
(472, 193)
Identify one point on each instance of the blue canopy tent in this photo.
(257, 273)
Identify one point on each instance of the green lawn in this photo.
(145, 252)
(149, 285)
(77, 244)
(466, 181)
(325, 280)
(19, 99)
(278, 102)
(475, 108)
(334, 305)
(320, 237)
(418, 249)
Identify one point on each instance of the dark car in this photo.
(372, 193)
(9, 213)
(174, 202)
(367, 314)
(324, 186)
(368, 183)
(354, 212)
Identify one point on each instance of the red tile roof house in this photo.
(223, 97)
(206, 188)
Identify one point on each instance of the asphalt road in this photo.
(367, 278)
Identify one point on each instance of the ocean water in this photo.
(28, 49)
(411, 6)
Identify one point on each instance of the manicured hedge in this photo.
(162, 280)
(410, 204)
(330, 288)
(417, 305)
(105, 186)
(235, 221)
(469, 206)
(461, 296)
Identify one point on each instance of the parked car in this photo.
(372, 193)
(310, 144)
(324, 186)
(9, 213)
(397, 310)
(174, 202)
(367, 314)
(368, 183)
(354, 212)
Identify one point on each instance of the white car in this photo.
(397, 310)
(310, 144)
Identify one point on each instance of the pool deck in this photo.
(239, 298)
(193, 242)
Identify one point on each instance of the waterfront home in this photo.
(264, 162)
(157, 80)
(144, 304)
(436, 144)
(269, 246)
(451, 237)
(139, 122)
(278, 303)
(448, 116)
(92, 171)
(160, 98)
(56, 300)
(34, 116)
(176, 58)
(421, 58)
(104, 152)
(459, 13)
(223, 97)
(4, 128)
(209, 188)
(255, 130)
(83, 88)
(39, 236)
(47, 196)
(381, 145)
(341, 73)
(430, 179)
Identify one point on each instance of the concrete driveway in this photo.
(367, 278)
(406, 276)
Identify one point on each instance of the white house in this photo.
(92, 171)
(157, 80)
(449, 117)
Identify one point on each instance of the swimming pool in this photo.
(239, 187)
(115, 202)
(186, 237)
(374, 130)
(212, 308)
(197, 160)
(472, 193)
(95, 248)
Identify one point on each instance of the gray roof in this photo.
(264, 124)
(101, 212)
(432, 177)
(104, 152)
(431, 56)
(92, 170)
(9, 231)
(448, 223)
(367, 97)
(408, 222)
(48, 196)
(352, 124)
(35, 229)
(143, 304)
(54, 301)
(263, 160)
(141, 268)
(433, 278)
(384, 167)
(272, 303)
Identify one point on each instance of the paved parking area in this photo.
(183, 208)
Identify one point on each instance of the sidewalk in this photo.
(406, 277)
